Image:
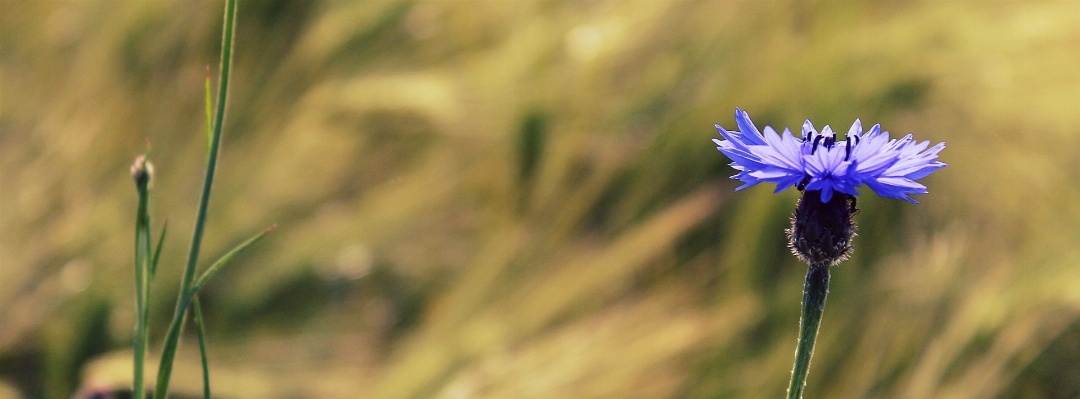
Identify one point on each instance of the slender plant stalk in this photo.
(172, 337)
(142, 283)
(209, 100)
(199, 325)
(817, 287)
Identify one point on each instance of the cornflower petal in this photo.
(870, 153)
(808, 130)
(913, 161)
(856, 129)
(828, 171)
(782, 152)
(889, 167)
(746, 126)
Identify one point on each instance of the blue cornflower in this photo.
(818, 162)
(822, 168)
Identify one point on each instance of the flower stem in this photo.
(813, 305)
(142, 285)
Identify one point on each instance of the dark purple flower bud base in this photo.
(821, 232)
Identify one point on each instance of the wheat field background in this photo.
(520, 199)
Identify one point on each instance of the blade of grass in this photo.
(186, 298)
(172, 338)
(140, 171)
(209, 114)
(157, 251)
(199, 325)
(221, 262)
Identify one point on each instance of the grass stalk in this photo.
(172, 337)
(201, 327)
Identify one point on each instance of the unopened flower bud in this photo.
(821, 232)
(142, 171)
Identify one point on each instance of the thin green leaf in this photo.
(220, 263)
(172, 337)
(157, 251)
(209, 114)
(199, 325)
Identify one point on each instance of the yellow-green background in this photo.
(520, 199)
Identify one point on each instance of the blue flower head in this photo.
(820, 162)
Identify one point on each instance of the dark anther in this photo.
(802, 184)
(847, 150)
(817, 139)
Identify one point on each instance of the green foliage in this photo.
(189, 288)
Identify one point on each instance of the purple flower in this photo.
(819, 162)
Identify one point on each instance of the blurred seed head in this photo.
(75, 276)
(354, 262)
(584, 42)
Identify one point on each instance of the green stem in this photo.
(817, 287)
(201, 327)
(172, 337)
(142, 289)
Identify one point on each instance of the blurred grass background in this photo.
(519, 199)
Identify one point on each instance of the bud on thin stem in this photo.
(142, 171)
